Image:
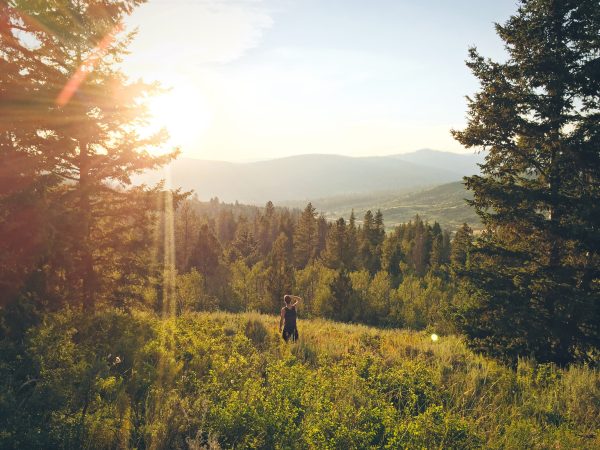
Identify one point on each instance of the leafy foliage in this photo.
(113, 379)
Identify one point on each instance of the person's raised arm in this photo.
(295, 297)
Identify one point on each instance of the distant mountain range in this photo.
(315, 176)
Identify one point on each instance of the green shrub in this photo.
(257, 333)
(217, 380)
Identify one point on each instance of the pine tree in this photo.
(244, 246)
(286, 224)
(343, 296)
(282, 271)
(391, 253)
(536, 267)
(436, 258)
(74, 121)
(186, 227)
(461, 247)
(379, 231)
(322, 231)
(372, 236)
(420, 248)
(206, 255)
(306, 237)
(352, 237)
(446, 247)
(336, 253)
(266, 232)
(226, 226)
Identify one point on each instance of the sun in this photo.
(183, 111)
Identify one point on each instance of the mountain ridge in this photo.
(309, 176)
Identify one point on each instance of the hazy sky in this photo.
(259, 79)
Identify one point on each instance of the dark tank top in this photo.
(290, 317)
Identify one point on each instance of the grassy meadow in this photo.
(222, 380)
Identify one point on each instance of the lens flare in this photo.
(86, 67)
(434, 337)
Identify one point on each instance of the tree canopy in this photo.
(69, 143)
(536, 268)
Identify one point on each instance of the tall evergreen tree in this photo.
(282, 272)
(379, 231)
(391, 253)
(186, 230)
(342, 296)
(537, 265)
(206, 255)
(244, 246)
(372, 236)
(306, 237)
(226, 226)
(266, 230)
(353, 245)
(74, 119)
(436, 258)
(421, 247)
(336, 253)
(461, 247)
(322, 231)
(446, 247)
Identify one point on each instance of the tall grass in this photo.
(210, 380)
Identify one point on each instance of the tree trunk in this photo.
(87, 261)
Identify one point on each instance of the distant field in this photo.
(445, 204)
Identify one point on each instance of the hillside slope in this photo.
(217, 380)
(465, 164)
(445, 204)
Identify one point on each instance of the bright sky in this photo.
(258, 79)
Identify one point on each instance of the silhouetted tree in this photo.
(74, 119)
(186, 228)
(461, 247)
(536, 266)
(206, 255)
(436, 258)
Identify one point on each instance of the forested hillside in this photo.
(445, 204)
(242, 257)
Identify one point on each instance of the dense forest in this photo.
(237, 257)
(141, 317)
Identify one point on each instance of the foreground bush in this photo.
(213, 380)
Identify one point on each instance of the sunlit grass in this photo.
(532, 405)
(230, 379)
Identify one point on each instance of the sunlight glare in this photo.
(183, 111)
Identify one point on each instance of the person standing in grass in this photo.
(288, 317)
